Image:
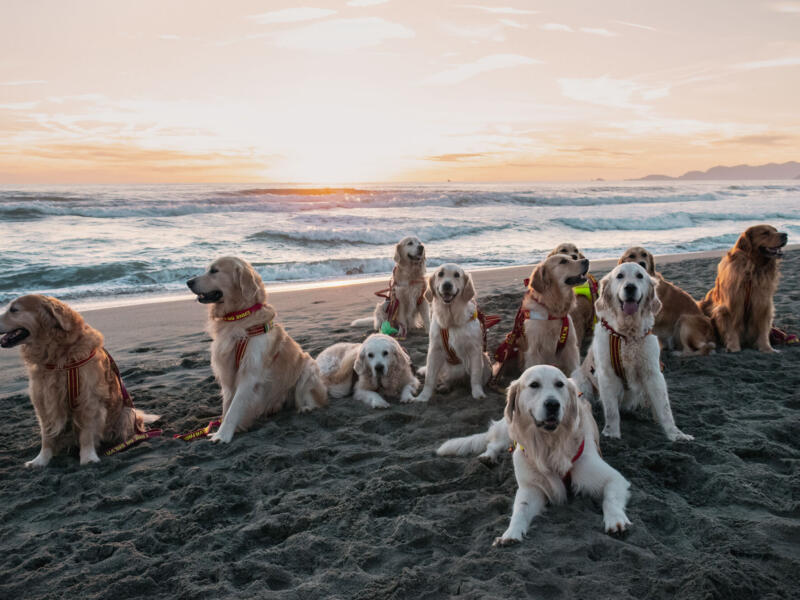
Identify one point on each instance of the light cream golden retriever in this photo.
(258, 366)
(557, 448)
(544, 333)
(741, 301)
(372, 371)
(74, 387)
(406, 304)
(582, 311)
(680, 324)
(456, 336)
(625, 353)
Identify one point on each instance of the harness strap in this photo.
(615, 348)
(139, 437)
(393, 302)
(73, 377)
(126, 397)
(486, 321)
(242, 314)
(197, 433)
(452, 357)
(241, 345)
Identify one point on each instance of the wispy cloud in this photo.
(502, 10)
(292, 15)
(789, 61)
(169, 36)
(24, 82)
(487, 63)
(18, 105)
(556, 27)
(457, 157)
(366, 2)
(786, 7)
(512, 23)
(637, 25)
(599, 31)
(342, 34)
(606, 91)
(755, 140)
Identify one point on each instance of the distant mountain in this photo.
(788, 170)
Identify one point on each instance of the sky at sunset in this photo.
(398, 90)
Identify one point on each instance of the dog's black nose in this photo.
(642, 264)
(630, 290)
(447, 286)
(551, 406)
(421, 247)
(191, 283)
(585, 262)
(784, 238)
(379, 368)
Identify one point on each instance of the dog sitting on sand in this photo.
(582, 311)
(258, 366)
(75, 387)
(372, 371)
(405, 297)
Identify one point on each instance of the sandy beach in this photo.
(351, 502)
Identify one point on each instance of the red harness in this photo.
(392, 304)
(486, 322)
(615, 349)
(566, 478)
(241, 345)
(509, 348)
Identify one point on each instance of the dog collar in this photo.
(242, 314)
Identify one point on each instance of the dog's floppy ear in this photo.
(430, 290)
(572, 412)
(540, 278)
(358, 366)
(397, 255)
(743, 243)
(400, 355)
(651, 300)
(604, 298)
(651, 264)
(248, 280)
(65, 318)
(512, 396)
(469, 289)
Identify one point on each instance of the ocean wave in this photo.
(676, 220)
(299, 192)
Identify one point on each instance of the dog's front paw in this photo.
(488, 459)
(223, 436)
(89, 456)
(615, 521)
(421, 371)
(38, 462)
(507, 539)
(611, 432)
(679, 436)
(375, 401)
(478, 393)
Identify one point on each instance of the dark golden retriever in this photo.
(740, 303)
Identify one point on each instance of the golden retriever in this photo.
(377, 368)
(258, 366)
(74, 385)
(582, 311)
(405, 297)
(680, 324)
(456, 344)
(625, 353)
(740, 304)
(557, 448)
(544, 333)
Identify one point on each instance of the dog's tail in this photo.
(363, 322)
(339, 379)
(142, 418)
(465, 446)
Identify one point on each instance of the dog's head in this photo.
(570, 250)
(379, 355)
(762, 241)
(640, 256)
(35, 319)
(409, 251)
(542, 397)
(230, 283)
(559, 270)
(450, 283)
(628, 290)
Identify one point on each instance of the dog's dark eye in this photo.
(574, 257)
(559, 384)
(385, 353)
(370, 355)
(534, 384)
(639, 276)
(410, 243)
(212, 270)
(12, 309)
(563, 261)
(633, 256)
(457, 274)
(441, 273)
(620, 275)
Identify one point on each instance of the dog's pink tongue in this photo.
(630, 307)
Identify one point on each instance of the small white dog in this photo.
(376, 369)
(456, 338)
(625, 352)
(556, 447)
